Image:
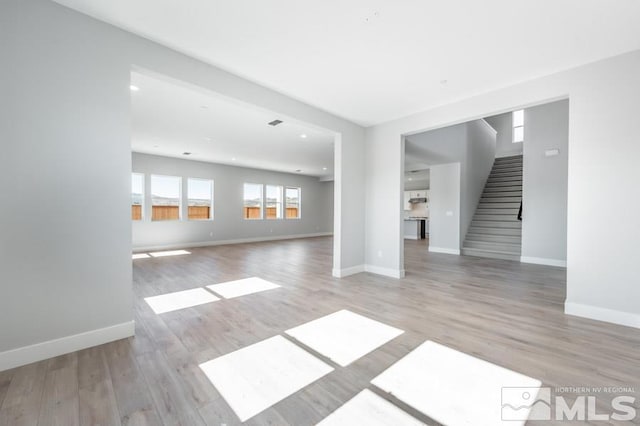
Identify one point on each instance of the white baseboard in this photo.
(387, 272)
(444, 250)
(543, 261)
(177, 246)
(345, 272)
(602, 314)
(411, 237)
(52, 348)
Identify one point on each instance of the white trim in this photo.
(345, 272)
(225, 242)
(64, 345)
(387, 272)
(444, 250)
(602, 314)
(411, 237)
(543, 261)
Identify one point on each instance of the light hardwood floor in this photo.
(505, 312)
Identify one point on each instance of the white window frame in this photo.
(142, 201)
(517, 126)
(299, 202)
(281, 214)
(261, 200)
(211, 199)
(180, 194)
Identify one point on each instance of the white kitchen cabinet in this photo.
(419, 193)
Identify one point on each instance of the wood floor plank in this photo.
(98, 405)
(173, 403)
(5, 381)
(60, 404)
(21, 405)
(132, 393)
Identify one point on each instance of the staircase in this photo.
(495, 230)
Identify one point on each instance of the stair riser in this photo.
(501, 184)
(506, 179)
(502, 188)
(493, 224)
(510, 248)
(479, 253)
(510, 162)
(505, 174)
(501, 212)
(500, 200)
(498, 232)
(507, 166)
(509, 158)
(502, 194)
(496, 218)
(498, 205)
(505, 239)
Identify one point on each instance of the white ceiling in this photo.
(375, 60)
(169, 119)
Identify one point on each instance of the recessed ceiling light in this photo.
(186, 153)
(233, 159)
(298, 171)
(208, 139)
(156, 146)
(275, 122)
(303, 136)
(204, 106)
(410, 179)
(324, 168)
(134, 88)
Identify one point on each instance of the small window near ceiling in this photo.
(252, 201)
(518, 126)
(292, 196)
(137, 196)
(165, 197)
(273, 199)
(200, 199)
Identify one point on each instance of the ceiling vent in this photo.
(275, 122)
(186, 153)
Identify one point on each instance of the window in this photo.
(274, 202)
(199, 199)
(137, 196)
(165, 197)
(293, 203)
(518, 126)
(252, 201)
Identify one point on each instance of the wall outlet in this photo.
(449, 213)
(551, 152)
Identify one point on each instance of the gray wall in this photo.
(544, 224)
(503, 123)
(65, 176)
(444, 229)
(228, 223)
(64, 122)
